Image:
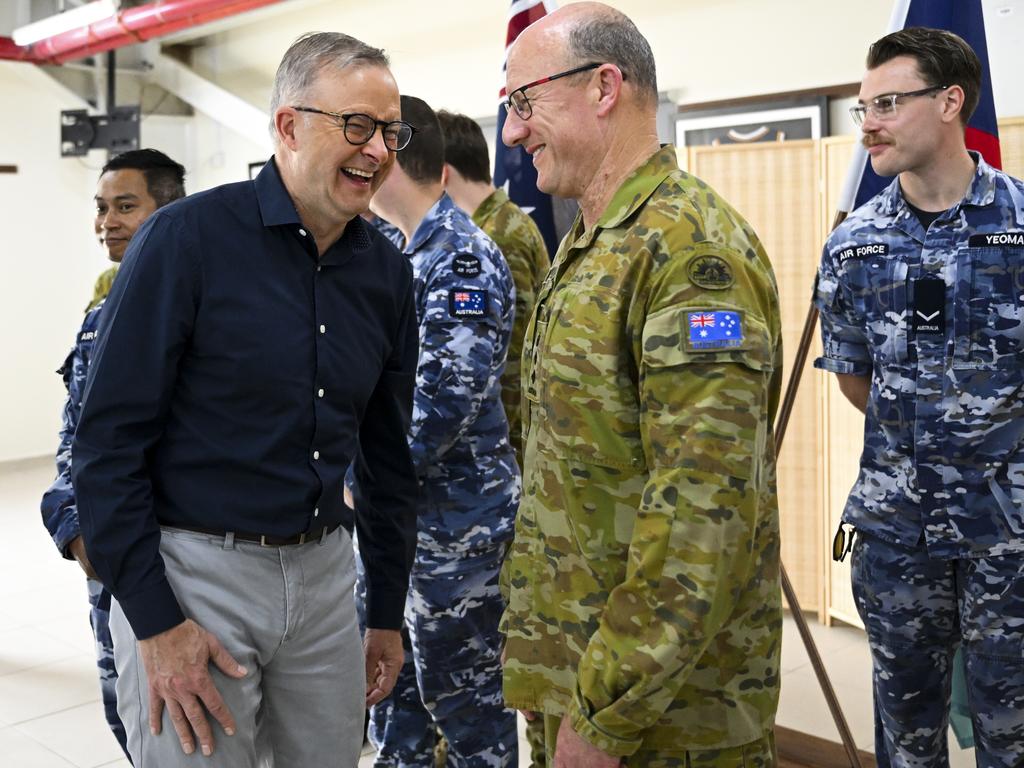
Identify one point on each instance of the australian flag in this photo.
(715, 330)
(964, 18)
(513, 168)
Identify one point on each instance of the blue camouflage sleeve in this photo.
(460, 338)
(843, 332)
(60, 513)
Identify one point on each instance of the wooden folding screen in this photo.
(775, 186)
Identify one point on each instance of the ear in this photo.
(608, 88)
(445, 171)
(952, 103)
(285, 123)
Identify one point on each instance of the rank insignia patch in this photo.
(464, 302)
(720, 329)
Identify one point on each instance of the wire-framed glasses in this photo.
(884, 107)
(518, 101)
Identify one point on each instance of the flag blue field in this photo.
(964, 18)
(513, 168)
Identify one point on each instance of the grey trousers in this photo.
(288, 615)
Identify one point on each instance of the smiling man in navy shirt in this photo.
(272, 339)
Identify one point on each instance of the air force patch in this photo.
(466, 302)
(721, 329)
(466, 265)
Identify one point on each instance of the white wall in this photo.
(50, 257)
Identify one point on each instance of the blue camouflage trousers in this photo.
(451, 679)
(99, 618)
(917, 611)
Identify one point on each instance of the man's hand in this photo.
(571, 751)
(177, 665)
(77, 547)
(347, 496)
(384, 659)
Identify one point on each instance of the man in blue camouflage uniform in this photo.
(465, 301)
(131, 187)
(921, 293)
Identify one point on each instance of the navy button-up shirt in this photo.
(235, 378)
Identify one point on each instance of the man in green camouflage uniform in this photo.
(644, 619)
(468, 182)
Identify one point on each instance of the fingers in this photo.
(215, 705)
(224, 661)
(531, 716)
(156, 712)
(181, 726)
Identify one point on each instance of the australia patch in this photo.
(466, 265)
(997, 239)
(714, 329)
(465, 302)
(862, 251)
(710, 272)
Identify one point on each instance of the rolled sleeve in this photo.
(842, 329)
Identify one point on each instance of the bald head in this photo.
(595, 32)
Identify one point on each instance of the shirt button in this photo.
(319, 393)
(316, 512)
(323, 329)
(302, 231)
(317, 267)
(316, 455)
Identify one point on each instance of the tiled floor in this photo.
(50, 714)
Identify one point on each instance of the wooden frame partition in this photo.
(789, 192)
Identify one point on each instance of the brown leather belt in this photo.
(262, 539)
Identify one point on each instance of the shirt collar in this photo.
(278, 209)
(633, 193)
(434, 219)
(276, 205)
(981, 192)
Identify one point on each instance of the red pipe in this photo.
(127, 27)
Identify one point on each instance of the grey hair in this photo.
(309, 54)
(610, 37)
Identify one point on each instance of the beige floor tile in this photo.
(122, 763)
(48, 689)
(19, 751)
(79, 735)
(28, 647)
(73, 629)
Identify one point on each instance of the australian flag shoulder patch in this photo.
(714, 329)
(467, 302)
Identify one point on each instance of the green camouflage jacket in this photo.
(523, 247)
(102, 287)
(645, 600)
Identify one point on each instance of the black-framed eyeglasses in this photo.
(517, 99)
(884, 107)
(359, 128)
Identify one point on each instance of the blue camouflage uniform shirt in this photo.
(465, 302)
(60, 512)
(936, 318)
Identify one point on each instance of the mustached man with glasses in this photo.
(921, 292)
(467, 471)
(258, 339)
(644, 620)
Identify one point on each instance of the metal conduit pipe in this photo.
(127, 27)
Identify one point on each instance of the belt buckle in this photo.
(263, 540)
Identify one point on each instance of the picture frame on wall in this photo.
(769, 121)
